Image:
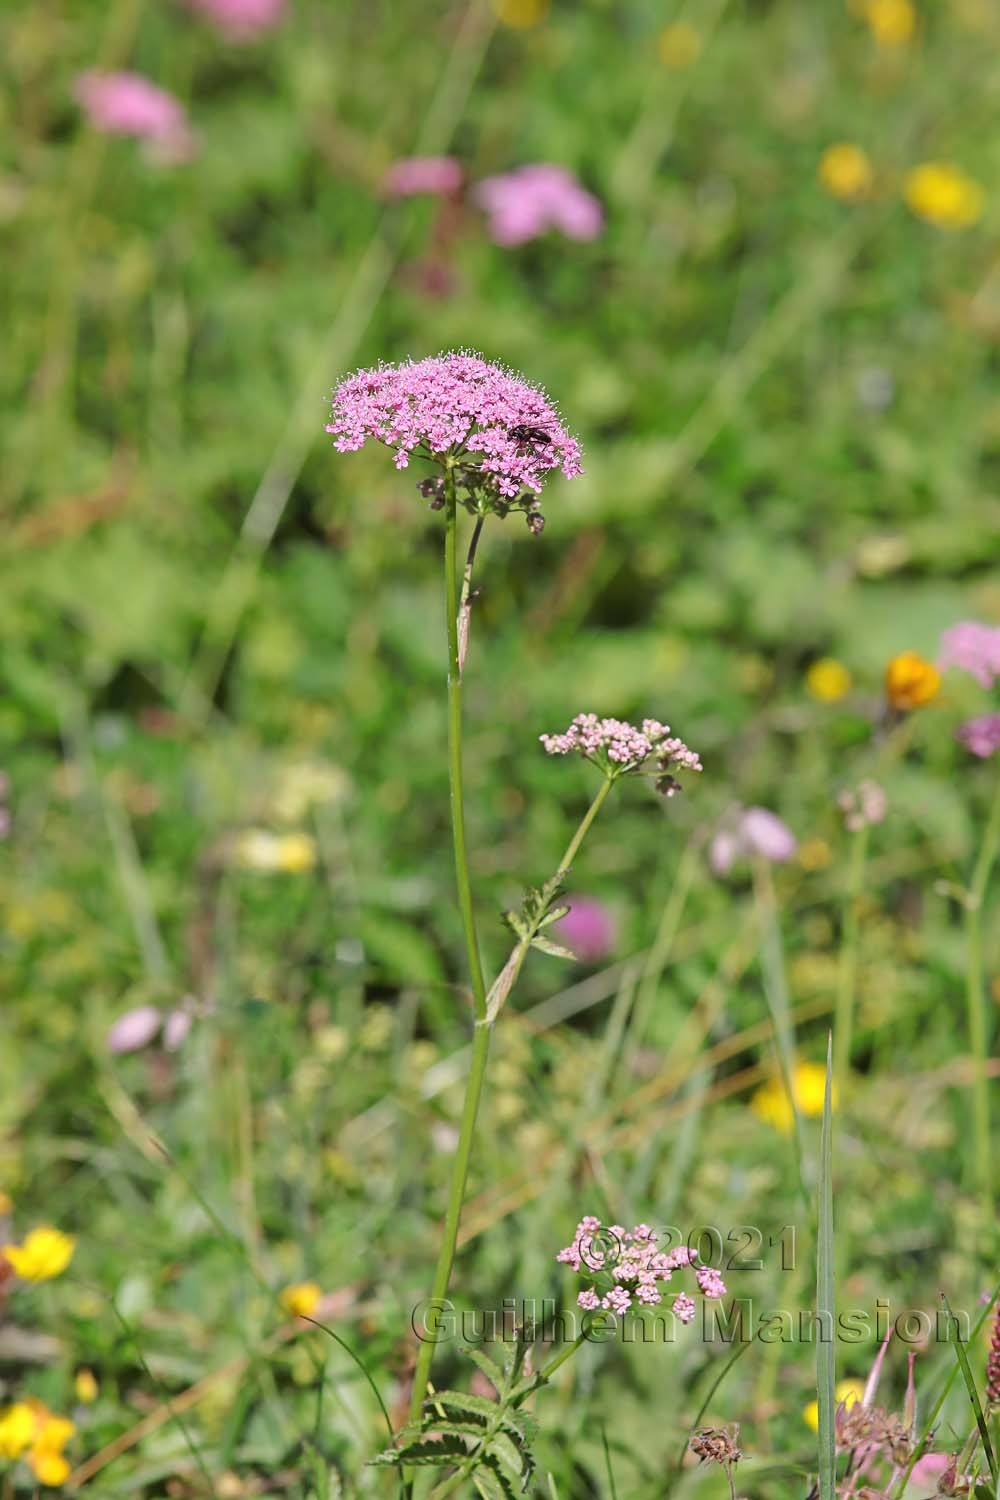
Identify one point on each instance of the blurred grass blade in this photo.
(970, 1386)
(825, 1348)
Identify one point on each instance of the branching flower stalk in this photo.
(495, 439)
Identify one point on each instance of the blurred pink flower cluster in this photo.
(240, 20)
(588, 928)
(528, 202)
(748, 832)
(975, 648)
(520, 205)
(138, 1027)
(128, 104)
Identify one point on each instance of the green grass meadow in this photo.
(223, 729)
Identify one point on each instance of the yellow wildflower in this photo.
(17, 1429)
(910, 681)
(772, 1104)
(943, 196)
(46, 1252)
(301, 1299)
(290, 853)
(828, 680)
(679, 45)
(847, 1393)
(521, 15)
(892, 22)
(845, 171)
(86, 1387)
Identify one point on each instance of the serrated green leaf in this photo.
(491, 1483)
(512, 1459)
(556, 950)
(516, 923)
(462, 1401)
(424, 1451)
(555, 915)
(489, 1367)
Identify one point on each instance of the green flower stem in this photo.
(848, 969)
(975, 1000)
(508, 976)
(481, 1038)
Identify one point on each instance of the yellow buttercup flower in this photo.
(678, 45)
(521, 15)
(892, 22)
(910, 681)
(943, 196)
(845, 171)
(289, 853)
(847, 1393)
(828, 680)
(30, 1431)
(772, 1104)
(46, 1252)
(301, 1299)
(86, 1387)
(17, 1429)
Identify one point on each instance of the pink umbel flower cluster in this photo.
(747, 832)
(618, 747)
(627, 1267)
(981, 736)
(129, 104)
(972, 648)
(497, 436)
(240, 20)
(864, 806)
(531, 200)
(438, 176)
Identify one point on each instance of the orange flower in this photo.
(910, 681)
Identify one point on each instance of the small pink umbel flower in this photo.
(414, 176)
(240, 20)
(626, 1268)
(129, 104)
(619, 749)
(530, 201)
(497, 436)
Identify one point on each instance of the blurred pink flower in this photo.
(981, 736)
(240, 20)
(440, 175)
(753, 831)
(128, 104)
(135, 1029)
(525, 203)
(973, 648)
(175, 1029)
(588, 928)
(927, 1469)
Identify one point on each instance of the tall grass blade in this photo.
(970, 1386)
(825, 1312)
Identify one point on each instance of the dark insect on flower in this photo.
(524, 433)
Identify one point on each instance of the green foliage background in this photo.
(792, 440)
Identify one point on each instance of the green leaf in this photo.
(970, 1386)
(512, 1459)
(825, 1309)
(555, 915)
(423, 1451)
(489, 1367)
(556, 950)
(462, 1401)
(491, 1484)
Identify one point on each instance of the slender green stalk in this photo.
(826, 1373)
(843, 1025)
(975, 1001)
(481, 1039)
(776, 993)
